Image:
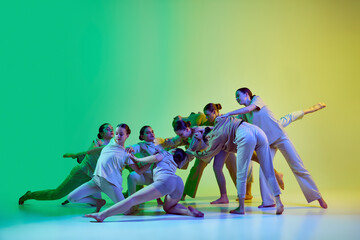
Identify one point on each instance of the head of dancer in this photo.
(106, 131)
(211, 111)
(206, 136)
(147, 134)
(122, 133)
(182, 129)
(244, 96)
(179, 156)
(175, 119)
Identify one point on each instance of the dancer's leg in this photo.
(265, 160)
(218, 165)
(172, 206)
(133, 180)
(83, 194)
(307, 184)
(76, 178)
(230, 163)
(146, 194)
(267, 196)
(246, 142)
(193, 179)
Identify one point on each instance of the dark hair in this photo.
(212, 107)
(179, 156)
(124, 126)
(246, 90)
(101, 129)
(206, 132)
(175, 119)
(142, 131)
(181, 125)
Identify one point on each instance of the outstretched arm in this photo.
(139, 170)
(291, 117)
(95, 150)
(314, 108)
(149, 159)
(243, 110)
(95, 144)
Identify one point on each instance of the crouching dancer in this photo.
(166, 183)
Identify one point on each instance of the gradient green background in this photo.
(68, 66)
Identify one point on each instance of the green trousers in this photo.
(75, 179)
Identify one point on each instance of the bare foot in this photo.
(238, 211)
(95, 216)
(99, 204)
(279, 209)
(24, 197)
(280, 179)
(221, 200)
(322, 203)
(159, 202)
(266, 206)
(194, 212)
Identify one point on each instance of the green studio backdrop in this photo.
(69, 66)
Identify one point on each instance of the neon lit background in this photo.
(67, 67)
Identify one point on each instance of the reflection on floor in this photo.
(49, 220)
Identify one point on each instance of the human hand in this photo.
(69, 155)
(129, 150)
(98, 142)
(198, 135)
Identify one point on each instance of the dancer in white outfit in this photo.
(257, 112)
(166, 183)
(234, 135)
(108, 172)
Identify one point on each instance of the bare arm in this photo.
(96, 143)
(149, 159)
(314, 108)
(139, 170)
(243, 110)
(95, 150)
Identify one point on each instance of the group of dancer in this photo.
(252, 134)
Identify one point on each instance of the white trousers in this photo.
(307, 184)
(249, 138)
(83, 193)
(135, 179)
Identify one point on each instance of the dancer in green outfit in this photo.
(79, 174)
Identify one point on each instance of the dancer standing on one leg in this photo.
(166, 183)
(256, 112)
(79, 174)
(284, 122)
(108, 172)
(234, 135)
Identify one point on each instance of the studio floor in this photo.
(49, 220)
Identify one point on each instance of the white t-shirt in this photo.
(112, 161)
(166, 166)
(264, 118)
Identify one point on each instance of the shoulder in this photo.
(257, 101)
